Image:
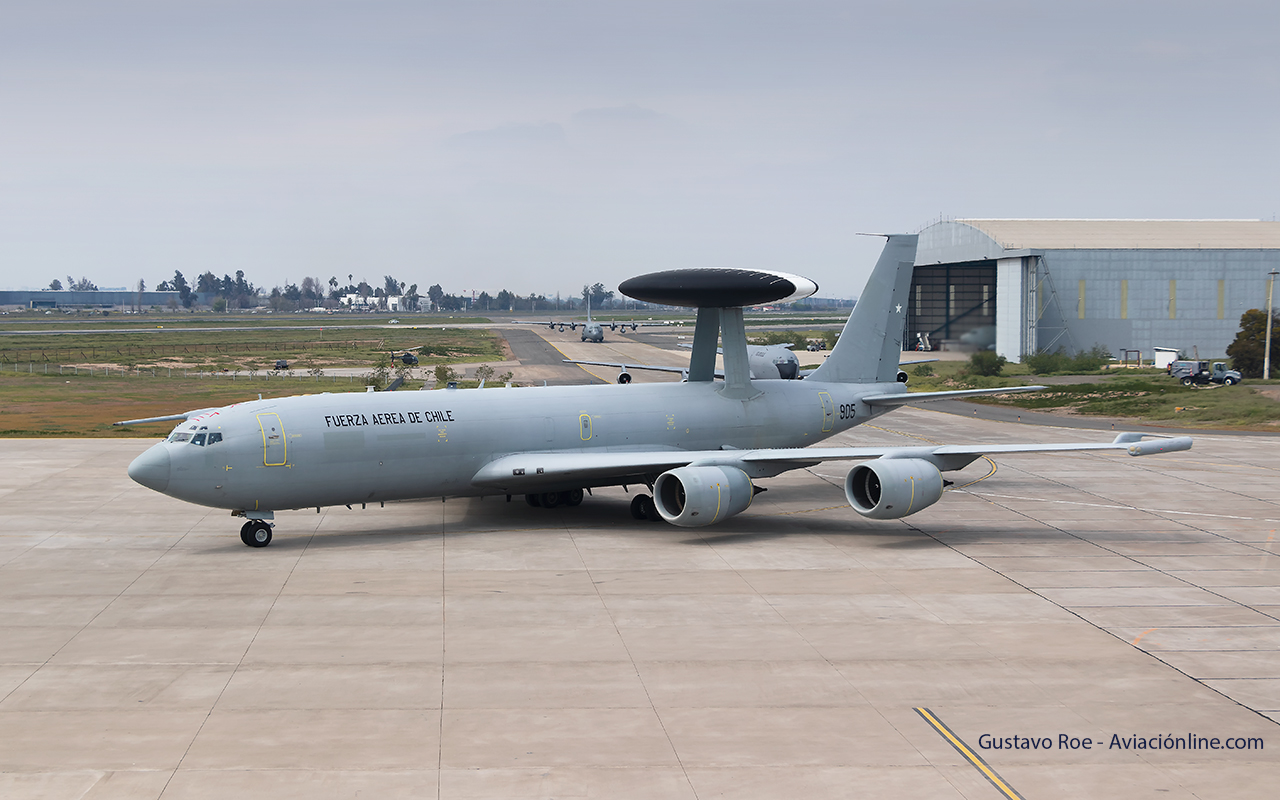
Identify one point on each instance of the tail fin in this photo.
(871, 345)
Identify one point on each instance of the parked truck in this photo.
(1200, 373)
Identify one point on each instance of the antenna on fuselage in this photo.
(719, 294)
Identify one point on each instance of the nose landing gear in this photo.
(256, 533)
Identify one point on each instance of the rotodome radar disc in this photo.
(717, 287)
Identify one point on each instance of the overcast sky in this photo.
(538, 146)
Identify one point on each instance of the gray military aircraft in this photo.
(593, 330)
(768, 362)
(764, 362)
(699, 445)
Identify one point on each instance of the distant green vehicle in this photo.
(1199, 373)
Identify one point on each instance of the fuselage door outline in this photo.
(584, 420)
(274, 447)
(828, 411)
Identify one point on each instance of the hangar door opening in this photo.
(953, 305)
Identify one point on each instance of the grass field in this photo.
(38, 401)
(1160, 401)
(1148, 395)
(39, 405)
(249, 348)
(38, 321)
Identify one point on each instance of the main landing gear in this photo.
(256, 533)
(572, 497)
(642, 507)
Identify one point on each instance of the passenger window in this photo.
(198, 439)
(214, 438)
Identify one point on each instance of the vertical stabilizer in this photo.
(871, 345)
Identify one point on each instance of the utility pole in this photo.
(1266, 352)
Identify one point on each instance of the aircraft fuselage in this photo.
(333, 449)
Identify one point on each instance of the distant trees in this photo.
(236, 292)
(82, 285)
(1247, 351)
(599, 297)
(207, 283)
(435, 294)
(55, 285)
(986, 362)
(179, 285)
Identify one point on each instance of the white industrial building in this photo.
(1071, 284)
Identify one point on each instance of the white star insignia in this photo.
(897, 309)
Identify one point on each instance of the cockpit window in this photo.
(214, 438)
(178, 436)
(198, 439)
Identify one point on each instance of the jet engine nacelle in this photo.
(624, 377)
(695, 496)
(892, 488)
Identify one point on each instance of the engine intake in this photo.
(692, 497)
(892, 488)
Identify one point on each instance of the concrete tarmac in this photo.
(479, 648)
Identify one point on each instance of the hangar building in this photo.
(1049, 284)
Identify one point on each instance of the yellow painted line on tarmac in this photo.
(973, 758)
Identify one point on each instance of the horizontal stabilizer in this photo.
(618, 365)
(902, 398)
(169, 418)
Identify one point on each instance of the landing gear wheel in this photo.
(651, 510)
(256, 533)
(637, 506)
(573, 497)
(643, 507)
(551, 499)
(532, 499)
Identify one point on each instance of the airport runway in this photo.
(483, 649)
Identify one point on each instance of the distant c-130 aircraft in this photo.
(701, 446)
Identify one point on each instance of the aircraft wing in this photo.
(902, 398)
(513, 473)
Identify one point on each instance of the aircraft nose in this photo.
(151, 469)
